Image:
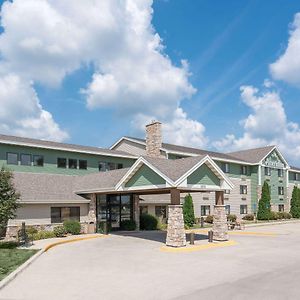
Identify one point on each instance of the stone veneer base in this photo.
(220, 229)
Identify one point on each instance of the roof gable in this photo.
(203, 176)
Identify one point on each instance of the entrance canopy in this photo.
(150, 175)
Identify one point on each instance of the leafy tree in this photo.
(188, 211)
(8, 198)
(295, 203)
(264, 204)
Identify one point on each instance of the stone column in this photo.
(136, 210)
(92, 214)
(175, 232)
(220, 230)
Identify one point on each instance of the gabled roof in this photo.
(15, 140)
(182, 150)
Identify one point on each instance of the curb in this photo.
(272, 223)
(4, 282)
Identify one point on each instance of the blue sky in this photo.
(227, 45)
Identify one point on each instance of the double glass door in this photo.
(114, 209)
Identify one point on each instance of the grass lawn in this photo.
(10, 259)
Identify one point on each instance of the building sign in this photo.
(273, 161)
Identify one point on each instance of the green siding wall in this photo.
(145, 176)
(203, 175)
(235, 170)
(50, 160)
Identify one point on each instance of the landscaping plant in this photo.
(295, 203)
(59, 231)
(148, 222)
(72, 226)
(264, 204)
(8, 198)
(129, 225)
(188, 211)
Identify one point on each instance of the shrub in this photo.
(248, 217)
(101, 226)
(264, 204)
(162, 226)
(231, 218)
(43, 234)
(30, 230)
(59, 231)
(8, 245)
(148, 222)
(188, 211)
(209, 219)
(280, 215)
(295, 203)
(274, 215)
(72, 226)
(286, 215)
(129, 225)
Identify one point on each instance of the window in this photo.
(161, 211)
(119, 166)
(72, 163)
(296, 176)
(12, 158)
(225, 167)
(143, 209)
(102, 166)
(281, 207)
(280, 172)
(243, 209)
(226, 199)
(280, 190)
(61, 162)
(107, 166)
(82, 164)
(267, 171)
(206, 198)
(227, 192)
(205, 210)
(227, 209)
(244, 170)
(243, 189)
(38, 160)
(25, 159)
(60, 214)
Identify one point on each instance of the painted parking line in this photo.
(252, 233)
(192, 248)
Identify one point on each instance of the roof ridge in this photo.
(252, 149)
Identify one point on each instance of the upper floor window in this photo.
(61, 162)
(107, 166)
(25, 159)
(38, 160)
(244, 170)
(243, 189)
(12, 158)
(280, 190)
(267, 171)
(82, 164)
(280, 172)
(72, 163)
(296, 176)
(226, 191)
(225, 167)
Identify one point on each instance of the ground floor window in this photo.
(161, 211)
(243, 209)
(143, 209)
(60, 214)
(227, 209)
(205, 210)
(281, 207)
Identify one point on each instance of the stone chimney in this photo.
(153, 139)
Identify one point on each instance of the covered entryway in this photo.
(118, 201)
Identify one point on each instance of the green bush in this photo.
(8, 245)
(72, 226)
(129, 225)
(162, 226)
(30, 230)
(59, 231)
(274, 215)
(286, 215)
(248, 217)
(209, 219)
(295, 203)
(264, 204)
(188, 211)
(43, 234)
(231, 218)
(101, 226)
(148, 222)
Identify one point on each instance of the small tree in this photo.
(8, 198)
(188, 211)
(264, 204)
(295, 203)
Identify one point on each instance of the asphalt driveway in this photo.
(131, 266)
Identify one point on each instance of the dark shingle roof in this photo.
(252, 155)
(190, 150)
(9, 139)
(295, 168)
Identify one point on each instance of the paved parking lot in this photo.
(133, 267)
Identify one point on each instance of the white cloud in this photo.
(287, 67)
(21, 113)
(267, 124)
(45, 40)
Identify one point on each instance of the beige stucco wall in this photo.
(40, 214)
